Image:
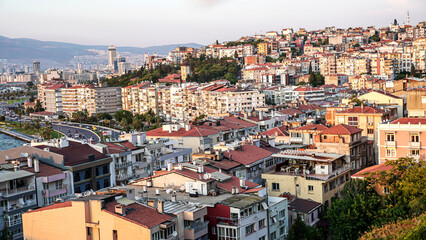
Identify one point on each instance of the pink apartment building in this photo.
(401, 138)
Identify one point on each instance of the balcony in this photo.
(123, 165)
(415, 145)
(196, 231)
(296, 140)
(318, 177)
(55, 192)
(123, 177)
(390, 143)
(15, 191)
(11, 223)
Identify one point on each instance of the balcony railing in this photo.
(123, 165)
(390, 143)
(296, 139)
(9, 192)
(123, 177)
(414, 144)
(198, 227)
(10, 223)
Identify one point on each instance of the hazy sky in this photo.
(157, 22)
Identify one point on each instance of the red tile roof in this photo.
(54, 87)
(45, 170)
(341, 129)
(303, 205)
(224, 164)
(291, 111)
(308, 107)
(373, 169)
(247, 154)
(307, 89)
(409, 120)
(137, 213)
(365, 109)
(276, 131)
(318, 127)
(76, 153)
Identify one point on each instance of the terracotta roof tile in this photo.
(409, 120)
(341, 129)
(318, 127)
(247, 154)
(376, 168)
(53, 206)
(137, 213)
(365, 109)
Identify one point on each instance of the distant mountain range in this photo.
(25, 50)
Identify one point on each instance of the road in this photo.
(76, 132)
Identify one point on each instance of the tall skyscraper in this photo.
(112, 53)
(36, 67)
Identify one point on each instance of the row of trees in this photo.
(145, 121)
(141, 75)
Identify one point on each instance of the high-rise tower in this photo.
(112, 54)
(408, 18)
(36, 67)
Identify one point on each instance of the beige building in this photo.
(93, 99)
(416, 102)
(308, 175)
(99, 217)
(53, 98)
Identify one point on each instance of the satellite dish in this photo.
(174, 234)
(7, 157)
(206, 176)
(25, 154)
(307, 172)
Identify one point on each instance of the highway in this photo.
(76, 132)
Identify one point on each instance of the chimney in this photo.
(233, 190)
(119, 209)
(180, 167)
(160, 206)
(157, 192)
(230, 157)
(242, 183)
(36, 165)
(260, 115)
(169, 166)
(200, 169)
(29, 162)
(174, 198)
(237, 190)
(144, 189)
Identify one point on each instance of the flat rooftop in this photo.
(308, 155)
(242, 200)
(181, 197)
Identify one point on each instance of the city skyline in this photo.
(198, 21)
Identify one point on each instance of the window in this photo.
(325, 188)
(115, 235)
(250, 229)
(273, 235)
(58, 184)
(275, 186)
(282, 230)
(390, 152)
(262, 238)
(332, 185)
(414, 152)
(310, 188)
(386, 190)
(353, 121)
(370, 131)
(390, 137)
(262, 223)
(415, 138)
(282, 214)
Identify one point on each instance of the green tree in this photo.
(354, 212)
(300, 231)
(38, 107)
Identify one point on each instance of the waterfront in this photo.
(8, 142)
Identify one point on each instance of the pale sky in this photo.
(141, 23)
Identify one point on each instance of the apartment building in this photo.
(404, 137)
(90, 169)
(93, 99)
(384, 99)
(366, 118)
(308, 175)
(346, 140)
(381, 66)
(310, 94)
(305, 134)
(18, 194)
(201, 136)
(416, 102)
(53, 98)
(263, 48)
(99, 217)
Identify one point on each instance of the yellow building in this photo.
(98, 217)
(380, 98)
(309, 175)
(185, 71)
(263, 48)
